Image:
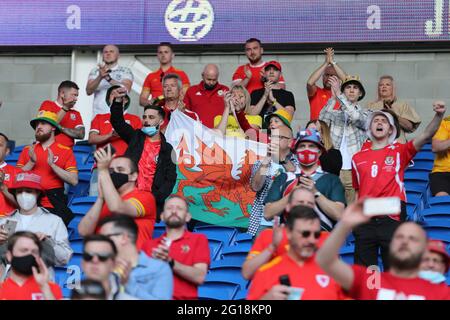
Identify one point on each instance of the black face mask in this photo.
(118, 179)
(23, 265)
(209, 87)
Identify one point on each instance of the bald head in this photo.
(210, 76)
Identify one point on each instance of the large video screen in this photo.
(134, 22)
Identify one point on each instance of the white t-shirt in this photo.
(119, 74)
(346, 157)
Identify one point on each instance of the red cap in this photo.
(274, 63)
(439, 247)
(27, 180)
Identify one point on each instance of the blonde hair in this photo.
(325, 135)
(388, 77)
(246, 94)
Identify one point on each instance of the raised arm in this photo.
(328, 255)
(433, 126)
(123, 129)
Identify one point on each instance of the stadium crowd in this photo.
(311, 187)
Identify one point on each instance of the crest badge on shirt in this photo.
(389, 161)
(220, 93)
(185, 248)
(37, 296)
(73, 116)
(323, 280)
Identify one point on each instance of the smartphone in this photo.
(382, 206)
(10, 226)
(113, 150)
(284, 280)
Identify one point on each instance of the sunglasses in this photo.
(307, 234)
(100, 256)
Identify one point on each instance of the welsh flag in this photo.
(213, 171)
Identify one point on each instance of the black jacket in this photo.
(166, 171)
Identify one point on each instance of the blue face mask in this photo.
(150, 131)
(432, 276)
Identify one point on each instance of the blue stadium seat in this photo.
(241, 294)
(416, 175)
(12, 158)
(438, 229)
(435, 213)
(242, 238)
(80, 206)
(159, 229)
(443, 202)
(226, 262)
(422, 165)
(215, 247)
(61, 276)
(426, 147)
(350, 239)
(215, 290)
(82, 147)
(84, 168)
(227, 274)
(346, 253)
(82, 188)
(424, 155)
(75, 260)
(224, 234)
(77, 246)
(238, 252)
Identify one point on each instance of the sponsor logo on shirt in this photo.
(107, 121)
(323, 280)
(73, 116)
(220, 93)
(185, 248)
(198, 93)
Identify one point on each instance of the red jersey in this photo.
(72, 120)
(63, 157)
(206, 103)
(391, 287)
(153, 80)
(101, 124)
(312, 281)
(145, 204)
(264, 240)
(190, 249)
(10, 174)
(30, 290)
(147, 164)
(255, 81)
(318, 101)
(379, 173)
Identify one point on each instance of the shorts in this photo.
(439, 181)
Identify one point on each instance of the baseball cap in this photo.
(311, 135)
(274, 63)
(46, 116)
(354, 80)
(438, 246)
(27, 180)
(391, 122)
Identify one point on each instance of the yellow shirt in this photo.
(233, 129)
(442, 160)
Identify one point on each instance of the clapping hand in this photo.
(335, 85)
(329, 55)
(439, 107)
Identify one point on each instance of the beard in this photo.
(42, 137)
(174, 223)
(410, 263)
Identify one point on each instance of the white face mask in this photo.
(26, 200)
(432, 276)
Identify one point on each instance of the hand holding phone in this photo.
(10, 226)
(382, 206)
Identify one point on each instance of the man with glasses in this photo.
(273, 242)
(326, 187)
(278, 159)
(295, 275)
(148, 148)
(117, 194)
(99, 261)
(153, 82)
(148, 279)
